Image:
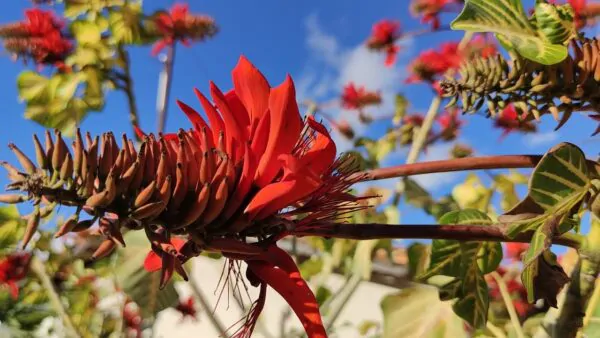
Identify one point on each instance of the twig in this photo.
(346, 292)
(496, 331)
(581, 288)
(510, 307)
(40, 271)
(207, 308)
(492, 233)
(128, 87)
(164, 88)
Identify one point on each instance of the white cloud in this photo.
(540, 139)
(332, 66)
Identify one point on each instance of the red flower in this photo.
(429, 10)
(450, 124)
(180, 25)
(358, 97)
(132, 320)
(515, 250)
(38, 37)
(187, 308)
(254, 173)
(430, 64)
(13, 268)
(483, 46)
(509, 121)
(383, 37)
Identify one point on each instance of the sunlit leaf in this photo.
(507, 19)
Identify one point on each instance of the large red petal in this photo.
(239, 112)
(194, 117)
(252, 88)
(284, 132)
(152, 262)
(233, 131)
(322, 152)
(216, 123)
(296, 293)
(279, 195)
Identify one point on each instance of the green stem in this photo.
(128, 87)
(39, 270)
(581, 288)
(496, 331)
(510, 307)
(207, 308)
(346, 292)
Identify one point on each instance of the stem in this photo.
(207, 308)
(581, 288)
(164, 88)
(492, 233)
(496, 331)
(510, 307)
(128, 87)
(40, 271)
(459, 164)
(346, 292)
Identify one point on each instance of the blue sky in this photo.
(320, 43)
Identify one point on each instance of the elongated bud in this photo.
(68, 226)
(144, 195)
(33, 222)
(12, 198)
(25, 162)
(105, 248)
(40, 155)
(148, 210)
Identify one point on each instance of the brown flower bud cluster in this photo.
(531, 87)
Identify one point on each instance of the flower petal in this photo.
(152, 262)
(233, 131)
(252, 88)
(216, 123)
(284, 132)
(192, 115)
(296, 293)
(321, 155)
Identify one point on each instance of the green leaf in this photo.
(467, 262)
(32, 86)
(86, 32)
(418, 311)
(555, 23)
(140, 285)
(418, 259)
(507, 19)
(126, 25)
(363, 262)
(400, 109)
(311, 267)
(557, 187)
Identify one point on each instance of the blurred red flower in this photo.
(355, 97)
(187, 308)
(179, 25)
(509, 121)
(429, 10)
(431, 63)
(383, 37)
(13, 268)
(515, 250)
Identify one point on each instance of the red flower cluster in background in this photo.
(450, 124)
(180, 25)
(13, 268)
(355, 97)
(132, 320)
(515, 288)
(429, 10)
(38, 37)
(510, 121)
(383, 38)
(514, 251)
(431, 63)
(187, 308)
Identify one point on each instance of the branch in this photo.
(164, 88)
(459, 164)
(492, 233)
(128, 88)
(40, 271)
